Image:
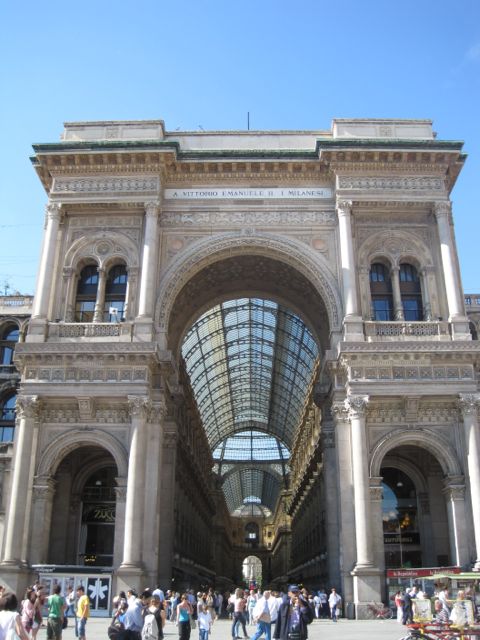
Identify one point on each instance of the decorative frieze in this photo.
(106, 185)
(84, 374)
(242, 218)
(411, 372)
(385, 183)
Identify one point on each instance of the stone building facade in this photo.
(345, 233)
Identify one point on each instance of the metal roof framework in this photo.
(250, 362)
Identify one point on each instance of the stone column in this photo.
(347, 261)
(454, 491)
(331, 495)
(397, 297)
(167, 504)
(69, 286)
(43, 495)
(120, 495)
(449, 262)
(152, 534)
(356, 406)
(427, 307)
(131, 288)
(149, 261)
(47, 261)
(345, 504)
(139, 407)
(100, 300)
(366, 576)
(353, 325)
(27, 415)
(376, 497)
(469, 407)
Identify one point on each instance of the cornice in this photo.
(25, 349)
(472, 346)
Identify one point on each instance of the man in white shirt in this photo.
(334, 601)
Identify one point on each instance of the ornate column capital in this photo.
(44, 488)
(344, 207)
(158, 412)
(376, 490)
(53, 211)
(152, 208)
(139, 406)
(454, 488)
(468, 403)
(339, 411)
(356, 406)
(28, 407)
(442, 208)
(121, 488)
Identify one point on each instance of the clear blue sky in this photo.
(292, 65)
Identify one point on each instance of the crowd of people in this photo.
(280, 615)
(23, 620)
(446, 610)
(142, 616)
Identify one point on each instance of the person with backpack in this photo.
(294, 616)
(153, 619)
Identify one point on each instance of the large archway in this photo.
(250, 331)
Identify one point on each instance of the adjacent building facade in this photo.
(176, 270)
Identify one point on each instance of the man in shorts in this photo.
(83, 613)
(56, 607)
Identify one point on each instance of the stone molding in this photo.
(58, 449)
(103, 248)
(214, 248)
(105, 185)
(395, 245)
(428, 439)
(384, 183)
(242, 218)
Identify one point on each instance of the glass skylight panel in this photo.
(250, 362)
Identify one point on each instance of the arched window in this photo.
(411, 293)
(115, 293)
(7, 419)
(8, 338)
(381, 292)
(86, 294)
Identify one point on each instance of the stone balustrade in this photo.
(402, 330)
(74, 330)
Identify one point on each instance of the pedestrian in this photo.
(10, 620)
(410, 594)
(239, 605)
(83, 613)
(56, 607)
(266, 610)
(184, 611)
(205, 622)
(399, 605)
(153, 619)
(294, 616)
(335, 604)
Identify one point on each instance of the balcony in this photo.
(16, 305)
(71, 331)
(395, 331)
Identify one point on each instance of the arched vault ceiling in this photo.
(249, 275)
(250, 363)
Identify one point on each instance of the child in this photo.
(204, 622)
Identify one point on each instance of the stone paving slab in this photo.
(318, 630)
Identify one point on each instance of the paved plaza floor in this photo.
(318, 630)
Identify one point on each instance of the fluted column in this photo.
(454, 491)
(397, 296)
(356, 406)
(27, 415)
(468, 407)
(139, 407)
(69, 287)
(449, 263)
(43, 495)
(53, 215)
(347, 261)
(100, 300)
(149, 261)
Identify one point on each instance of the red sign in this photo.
(420, 573)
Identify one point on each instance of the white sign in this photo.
(296, 193)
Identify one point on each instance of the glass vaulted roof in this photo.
(250, 362)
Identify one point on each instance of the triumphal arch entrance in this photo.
(245, 345)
